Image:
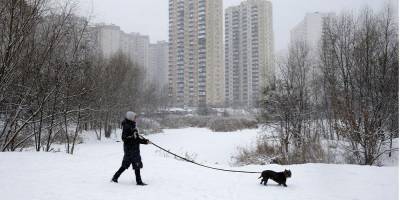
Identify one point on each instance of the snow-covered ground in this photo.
(86, 175)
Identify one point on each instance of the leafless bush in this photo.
(185, 121)
(228, 124)
(217, 124)
(310, 152)
(149, 126)
(265, 152)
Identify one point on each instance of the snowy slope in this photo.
(86, 175)
(205, 146)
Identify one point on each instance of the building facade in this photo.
(158, 64)
(309, 30)
(140, 49)
(249, 50)
(152, 58)
(108, 39)
(196, 67)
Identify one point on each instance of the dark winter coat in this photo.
(132, 141)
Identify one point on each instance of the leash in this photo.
(193, 162)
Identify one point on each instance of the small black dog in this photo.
(279, 177)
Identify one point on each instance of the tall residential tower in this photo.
(310, 29)
(196, 67)
(249, 49)
(158, 64)
(110, 39)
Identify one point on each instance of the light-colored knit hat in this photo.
(130, 115)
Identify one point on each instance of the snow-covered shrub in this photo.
(215, 123)
(310, 152)
(265, 152)
(184, 121)
(149, 126)
(198, 121)
(227, 124)
(268, 150)
(173, 122)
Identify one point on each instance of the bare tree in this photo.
(360, 64)
(349, 94)
(289, 103)
(39, 62)
(53, 81)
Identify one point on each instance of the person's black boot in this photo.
(114, 179)
(117, 174)
(139, 178)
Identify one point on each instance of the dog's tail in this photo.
(259, 177)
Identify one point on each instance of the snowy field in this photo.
(86, 175)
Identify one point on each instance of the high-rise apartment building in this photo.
(139, 49)
(309, 30)
(249, 50)
(108, 39)
(196, 67)
(111, 39)
(158, 66)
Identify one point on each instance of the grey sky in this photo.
(150, 17)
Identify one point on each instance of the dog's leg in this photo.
(265, 181)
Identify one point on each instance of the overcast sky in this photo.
(150, 17)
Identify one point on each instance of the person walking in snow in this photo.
(132, 141)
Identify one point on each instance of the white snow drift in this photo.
(86, 175)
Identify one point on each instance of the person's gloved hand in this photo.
(148, 141)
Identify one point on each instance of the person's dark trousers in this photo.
(118, 173)
(138, 177)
